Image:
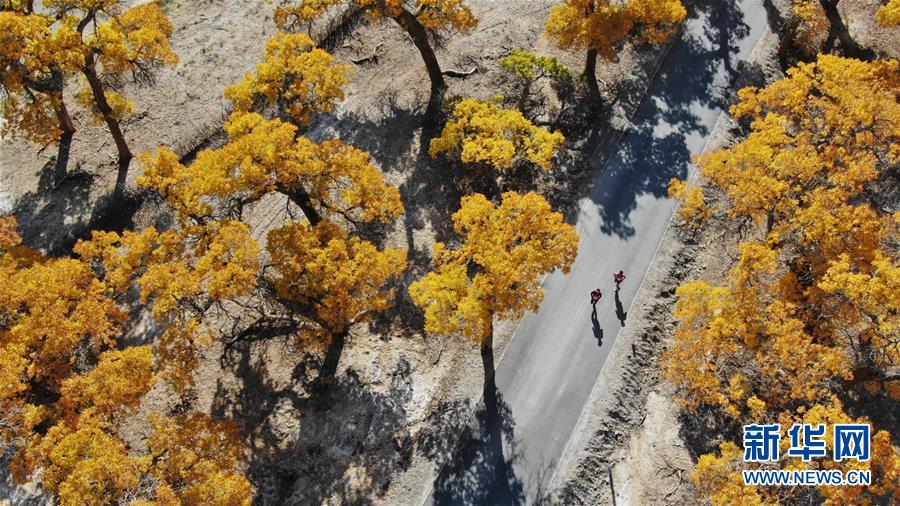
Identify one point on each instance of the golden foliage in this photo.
(497, 270)
(341, 278)
(811, 25)
(50, 308)
(65, 389)
(264, 156)
(601, 24)
(483, 133)
(34, 59)
(9, 236)
(294, 71)
(197, 460)
(528, 66)
(814, 307)
(434, 15)
(120, 106)
(718, 477)
(116, 383)
(214, 262)
(133, 38)
(41, 50)
(889, 14)
(693, 210)
(180, 346)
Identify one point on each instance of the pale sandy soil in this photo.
(859, 15)
(367, 446)
(364, 447)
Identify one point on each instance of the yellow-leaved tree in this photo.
(335, 277)
(484, 133)
(35, 61)
(419, 19)
(297, 77)
(101, 41)
(889, 14)
(528, 68)
(810, 310)
(496, 270)
(68, 381)
(598, 26)
(180, 274)
(322, 275)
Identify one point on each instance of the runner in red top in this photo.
(618, 278)
(595, 296)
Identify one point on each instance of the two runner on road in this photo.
(596, 294)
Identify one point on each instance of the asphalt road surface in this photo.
(554, 359)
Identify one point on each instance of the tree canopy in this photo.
(99, 41)
(810, 310)
(484, 133)
(68, 381)
(513, 245)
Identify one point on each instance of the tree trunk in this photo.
(67, 126)
(497, 464)
(420, 38)
(90, 72)
(328, 373)
(590, 76)
(839, 31)
(301, 197)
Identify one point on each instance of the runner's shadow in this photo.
(598, 330)
(620, 311)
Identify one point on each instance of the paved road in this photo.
(552, 363)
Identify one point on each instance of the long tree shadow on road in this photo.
(474, 456)
(656, 147)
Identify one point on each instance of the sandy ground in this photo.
(377, 442)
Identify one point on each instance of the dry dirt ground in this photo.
(381, 434)
(378, 436)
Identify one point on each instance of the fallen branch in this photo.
(460, 73)
(677, 485)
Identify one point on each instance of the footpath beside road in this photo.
(553, 361)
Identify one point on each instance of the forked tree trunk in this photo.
(590, 76)
(90, 73)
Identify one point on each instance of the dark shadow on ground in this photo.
(43, 215)
(473, 456)
(655, 150)
(620, 310)
(596, 327)
(60, 212)
(395, 139)
(304, 451)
